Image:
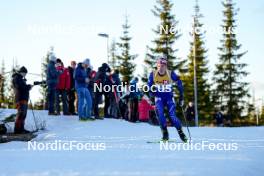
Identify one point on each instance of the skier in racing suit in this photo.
(162, 80)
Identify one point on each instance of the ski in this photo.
(9, 137)
(160, 141)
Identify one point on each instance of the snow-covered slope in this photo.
(127, 151)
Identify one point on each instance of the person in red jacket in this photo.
(144, 109)
(64, 84)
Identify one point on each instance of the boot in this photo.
(165, 134)
(182, 135)
(21, 131)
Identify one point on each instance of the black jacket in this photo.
(71, 71)
(21, 88)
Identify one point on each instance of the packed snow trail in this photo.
(127, 151)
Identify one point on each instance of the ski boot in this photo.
(182, 135)
(165, 134)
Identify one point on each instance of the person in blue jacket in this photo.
(134, 97)
(52, 81)
(160, 82)
(84, 96)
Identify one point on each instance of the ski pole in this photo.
(32, 110)
(187, 125)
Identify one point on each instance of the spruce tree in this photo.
(231, 89)
(262, 112)
(43, 88)
(10, 99)
(202, 70)
(127, 67)
(2, 85)
(166, 35)
(113, 56)
(145, 74)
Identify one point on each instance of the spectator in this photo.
(72, 91)
(134, 96)
(84, 97)
(219, 117)
(62, 87)
(190, 113)
(144, 109)
(114, 109)
(52, 81)
(102, 77)
(91, 75)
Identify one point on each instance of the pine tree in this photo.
(2, 85)
(165, 37)
(145, 74)
(202, 70)
(231, 90)
(127, 67)
(262, 112)
(113, 56)
(10, 99)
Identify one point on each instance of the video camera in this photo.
(39, 83)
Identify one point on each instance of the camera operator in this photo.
(21, 90)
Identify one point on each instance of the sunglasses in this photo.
(162, 62)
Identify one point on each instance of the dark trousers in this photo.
(133, 110)
(21, 115)
(114, 108)
(63, 94)
(93, 99)
(97, 99)
(71, 100)
(51, 99)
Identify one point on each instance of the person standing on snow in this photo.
(84, 96)
(91, 75)
(52, 81)
(102, 78)
(134, 97)
(21, 90)
(162, 79)
(219, 117)
(190, 112)
(71, 93)
(62, 87)
(114, 109)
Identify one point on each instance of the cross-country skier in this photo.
(162, 79)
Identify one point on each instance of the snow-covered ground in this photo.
(127, 152)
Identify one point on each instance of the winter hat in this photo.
(106, 67)
(86, 61)
(52, 58)
(58, 60)
(22, 70)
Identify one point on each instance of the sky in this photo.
(28, 28)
